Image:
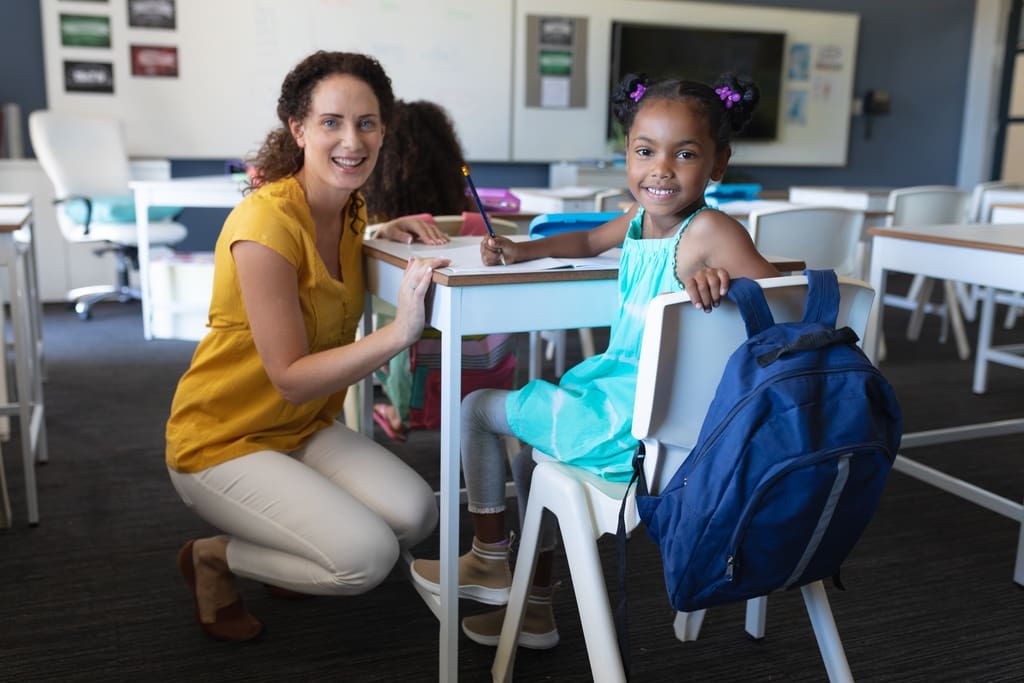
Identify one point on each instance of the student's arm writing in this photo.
(270, 291)
(574, 244)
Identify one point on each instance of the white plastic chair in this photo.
(824, 237)
(979, 210)
(930, 205)
(682, 356)
(86, 160)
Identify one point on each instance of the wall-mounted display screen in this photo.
(703, 54)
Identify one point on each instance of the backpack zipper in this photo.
(748, 511)
(763, 387)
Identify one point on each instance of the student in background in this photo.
(677, 139)
(304, 504)
(418, 172)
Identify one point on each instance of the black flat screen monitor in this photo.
(703, 54)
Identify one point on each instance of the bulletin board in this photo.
(199, 79)
(817, 86)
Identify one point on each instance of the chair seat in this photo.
(160, 233)
(603, 496)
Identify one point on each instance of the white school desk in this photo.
(867, 199)
(993, 258)
(221, 191)
(482, 303)
(28, 406)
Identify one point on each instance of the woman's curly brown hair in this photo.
(420, 166)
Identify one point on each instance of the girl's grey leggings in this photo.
(484, 422)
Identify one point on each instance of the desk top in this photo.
(398, 254)
(1003, 237)
(205, 181)
(741, 209)
(14, 218)
(21, 199)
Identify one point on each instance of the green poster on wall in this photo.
(84, 30)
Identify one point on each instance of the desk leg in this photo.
(364, 403)
(448, 305)
(1018, 566)
(985, 324)
(142, 226)
(873, 334)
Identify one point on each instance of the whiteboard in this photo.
(233, 55)
(820, 139)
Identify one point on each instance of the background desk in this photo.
(204, 191)
(992, 257)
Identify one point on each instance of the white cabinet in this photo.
(63, 266)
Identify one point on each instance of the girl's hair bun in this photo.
(740, 97)
(627, 95)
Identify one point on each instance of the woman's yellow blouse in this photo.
(225, 405)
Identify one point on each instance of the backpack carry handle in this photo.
(822, 305)
(753, 307)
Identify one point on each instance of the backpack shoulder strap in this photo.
(822, 304)
(748, 296)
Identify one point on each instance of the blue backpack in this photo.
(790, 462)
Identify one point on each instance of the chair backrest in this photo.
(80, 154)
(548, 224)
(979, 209)
(927, 205)
(824, 237)
(611, 200)
(684, 352)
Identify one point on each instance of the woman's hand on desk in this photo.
(408, 229)
(410, 316)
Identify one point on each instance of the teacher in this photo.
(303, 504)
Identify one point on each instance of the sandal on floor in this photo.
(384, 422)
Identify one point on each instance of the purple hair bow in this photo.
(638, 92)
(728, 96)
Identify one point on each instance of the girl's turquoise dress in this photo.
(586, 419)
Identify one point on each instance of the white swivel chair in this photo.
(824, 237)
(930, 205)
(682, 357)
(86, 160)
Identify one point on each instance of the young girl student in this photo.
(677, 139)
(303, 504)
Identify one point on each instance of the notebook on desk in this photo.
(465, 259)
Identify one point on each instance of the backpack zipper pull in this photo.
(729, 566)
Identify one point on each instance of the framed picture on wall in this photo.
(154, 60)
(151, 14)
(89, 77)
(84, 30)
